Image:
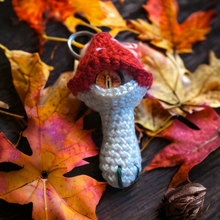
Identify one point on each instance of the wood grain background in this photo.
(140, 201)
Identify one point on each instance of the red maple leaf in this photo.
(189, 147)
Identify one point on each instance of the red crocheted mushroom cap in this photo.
(105, 53)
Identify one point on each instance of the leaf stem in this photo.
(78, 45)
(145, 145)
(11, 114)
(45, 198)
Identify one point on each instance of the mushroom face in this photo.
(112, 81)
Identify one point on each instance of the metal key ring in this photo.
(71, 39)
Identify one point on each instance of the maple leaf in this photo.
(165, 32)
(189, 147)
(178, 90)
(58, 143)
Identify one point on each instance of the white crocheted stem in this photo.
(120, 159)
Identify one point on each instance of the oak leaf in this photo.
(178, 90)
(189, 147)
(59, 144)
(166, 32)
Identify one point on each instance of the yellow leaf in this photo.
(110, 18)
(204, 89)
(26, 68)
(176, 88)
(152, 116)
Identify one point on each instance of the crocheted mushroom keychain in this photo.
(125, 84)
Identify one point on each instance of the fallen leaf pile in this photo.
(54, 131)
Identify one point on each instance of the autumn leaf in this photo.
(37, 12)
(189, 147)
(25, 67)
(58, 143)
(32, 11)
(178, 90)
(170, 78)
(152, 116)
(98, 13)
(204, 89)
(165, 31)
(111, 18)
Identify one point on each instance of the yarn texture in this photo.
(106, 53)
(119, 148)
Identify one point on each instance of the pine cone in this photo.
(184, 202)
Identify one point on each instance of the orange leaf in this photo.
(98, 13)
(166, 32)
(37, 12)
(111, 18)
(58, 143)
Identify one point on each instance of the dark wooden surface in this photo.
(140, 201)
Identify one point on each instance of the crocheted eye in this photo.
(109, 78)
